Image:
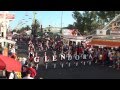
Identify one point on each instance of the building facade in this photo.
(52, 29)
(5, 18)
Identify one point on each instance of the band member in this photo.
(77, 59)
(31, 56)
(36, 60)
(84, 57)
(31, 47)
(69, 58)
(47, 44)
(62, 58)
(90, 58)
(46, 58)
(54, 59)
(40, 47)
(30, 42)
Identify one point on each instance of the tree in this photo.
(35, 27)
(14, 30)
(85, 21)
(27, 27)
(106, 16)
(70, 26)
(78, 20)
(91, 20)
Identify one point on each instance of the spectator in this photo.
(28, 75)
(13, 75)
(1, 49)
(24, 70)
(33, 71)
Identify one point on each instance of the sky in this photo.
(45, 18)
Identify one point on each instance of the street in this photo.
(81, 72)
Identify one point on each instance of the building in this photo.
(115, 28)
(101, 32)
(5, 19)
(69, 32)
(52, 29)
(109, 36)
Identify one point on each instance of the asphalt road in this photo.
(81, 72)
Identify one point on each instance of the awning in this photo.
(10, 64)
(105, 43)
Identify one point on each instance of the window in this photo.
(2, 34)
(4, 43)
(101, 32)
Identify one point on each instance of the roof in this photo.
(110, 43)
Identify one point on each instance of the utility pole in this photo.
(61, 20)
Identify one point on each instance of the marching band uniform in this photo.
(54, 60)
(90, 58)
(46, 60)
(31, 56)
(36, 61)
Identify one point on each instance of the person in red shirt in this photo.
(33, 71)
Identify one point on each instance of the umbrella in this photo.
(9, 64)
